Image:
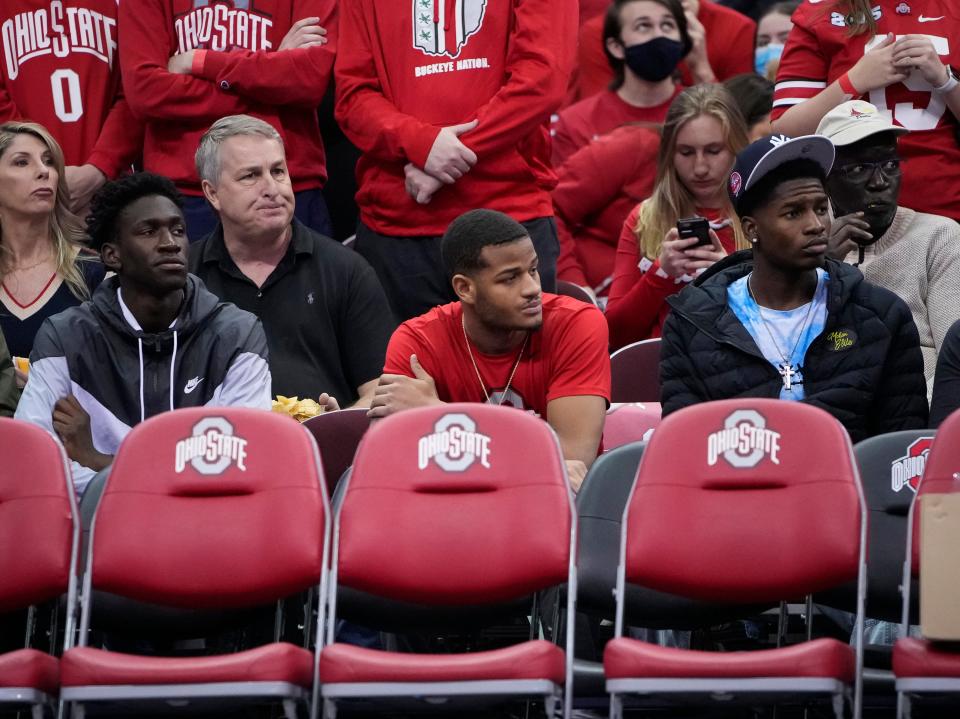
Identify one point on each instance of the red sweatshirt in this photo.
(589, 119)
(638, 297)
(240, 72)
(730, 39)
(60, 69)
(404, 71)
(597, 188)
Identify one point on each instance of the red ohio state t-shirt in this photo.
(565, 358)
(820, 49)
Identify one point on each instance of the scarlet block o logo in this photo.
(212, 448)
(744, 441)
(454, 444)
(906, 471)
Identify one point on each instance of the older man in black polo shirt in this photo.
(325, 315)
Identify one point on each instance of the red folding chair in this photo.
(632, 422)
(635, 372)
(205, 509)
(338, 435)
(739, 502)
(570, 289)
(472, 510)
(926, 671)
(39, 539)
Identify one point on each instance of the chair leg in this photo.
(549, 706)
(903, 706)
(37, 711)
(616, 707)
(838, 706)
(329, 709)
(289, 709)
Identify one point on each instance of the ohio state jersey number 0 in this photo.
(906, 113)
(67, 103)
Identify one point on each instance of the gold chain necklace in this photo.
(483, 385)
(24, 268)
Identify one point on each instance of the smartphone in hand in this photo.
(697, 227)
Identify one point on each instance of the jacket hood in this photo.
(199, 305)
(704, 301)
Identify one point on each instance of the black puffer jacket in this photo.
(865, 368)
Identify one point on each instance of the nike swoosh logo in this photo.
(929, 19)
(192, 385)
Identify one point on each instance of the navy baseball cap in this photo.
(760, 158)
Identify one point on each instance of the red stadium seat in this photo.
(473, 509)
(338, 435)
(635, 372)
(205, 509)
(569, 289)
(626, 423)
(39, 539)
(741, 501)
(925, 671)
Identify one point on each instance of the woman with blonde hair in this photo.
(904, 62)
(44, 266)
(702, 135)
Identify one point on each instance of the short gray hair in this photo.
(208, 152)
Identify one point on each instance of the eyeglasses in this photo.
(863, 171)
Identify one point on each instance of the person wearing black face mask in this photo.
(644, 41)
(915, 255)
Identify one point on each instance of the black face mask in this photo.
(655, 59)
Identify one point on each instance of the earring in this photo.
(753, 240)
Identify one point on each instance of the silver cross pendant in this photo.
(787, 371)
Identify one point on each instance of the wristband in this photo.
(951, 82)
(847, 86)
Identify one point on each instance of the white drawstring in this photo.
(173, 362)
(143, 410)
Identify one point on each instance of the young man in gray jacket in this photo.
(151, 339)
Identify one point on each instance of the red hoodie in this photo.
(598, 187)
(60, 69)
(240, 72)
(405, 69)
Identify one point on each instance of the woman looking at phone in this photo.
(702, 134)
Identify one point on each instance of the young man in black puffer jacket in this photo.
(784, 321)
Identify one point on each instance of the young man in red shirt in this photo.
(60, 69)
(504, 342)
(449, 100)
(187, 63)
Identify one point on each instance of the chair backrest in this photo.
(459, 504)
(38, 526)
(600, 504)
(890, 466)
(569, 289)
(746, 500)
(627, 423)
(338, 435)
(211, 508)
(941, 475)
(635, 372)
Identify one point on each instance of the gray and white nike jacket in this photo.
(213, 354)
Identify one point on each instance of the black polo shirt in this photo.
(325, 315)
